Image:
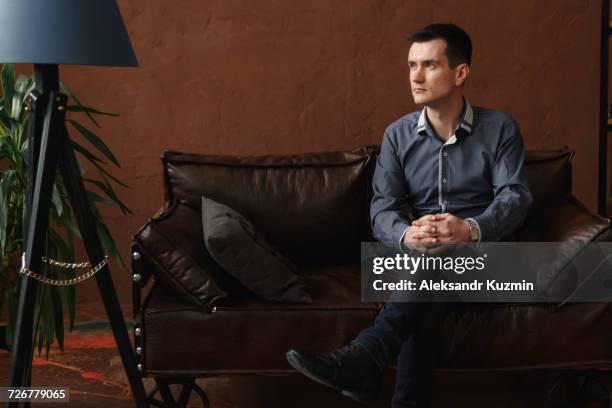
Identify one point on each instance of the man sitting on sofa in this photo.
(450, 173)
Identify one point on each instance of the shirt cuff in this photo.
(400, 246)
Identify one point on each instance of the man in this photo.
(450, 173)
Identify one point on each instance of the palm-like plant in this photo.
(60, 239)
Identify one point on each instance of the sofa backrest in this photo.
(549, 176)
(313, 207)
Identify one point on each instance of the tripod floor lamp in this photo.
(47, 33)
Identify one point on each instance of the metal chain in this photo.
(65, 265)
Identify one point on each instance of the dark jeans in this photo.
(410, 330)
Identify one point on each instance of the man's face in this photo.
(431, 78)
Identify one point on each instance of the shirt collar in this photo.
(466, 123)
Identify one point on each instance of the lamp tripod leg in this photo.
(21, 353)
(87, 225)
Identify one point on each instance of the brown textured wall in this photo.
(269, 76)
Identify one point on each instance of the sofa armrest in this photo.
(172, 244)
(572, 225)
(139, 265)
(568, 220)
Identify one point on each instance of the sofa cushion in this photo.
(252, 335)
(174, 245)
(523, 336)
(244, 253)
(314, 207)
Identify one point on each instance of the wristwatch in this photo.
(474, 231)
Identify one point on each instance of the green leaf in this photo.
(24, 216)
(38, 316)
(72, 96)
(56, 201)
(11, 297)
(98, 198)
(65, 250)
(70, 296)
(108, 243)
(58, 317)
(124, 209)
(40, 335)
(95, 141)
(105, 174)
(6, 187)
(80, 108)
(9, 142)
(5, 120)
(70, 226)
(23, 86)
(107, 189)
(89, 156)
(107, 240)
(8, 82)
(48, 321)
(22, 137)
(60, 248)
(62, 295)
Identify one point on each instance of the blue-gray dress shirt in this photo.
(477, 173)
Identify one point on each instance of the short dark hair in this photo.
(458, 43)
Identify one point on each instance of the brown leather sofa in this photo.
(314, 207)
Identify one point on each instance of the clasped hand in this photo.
(426, 233)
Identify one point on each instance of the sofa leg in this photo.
(578, 389)
(162, 396)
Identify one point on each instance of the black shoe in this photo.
(349, 369)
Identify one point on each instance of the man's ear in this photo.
(463, 71)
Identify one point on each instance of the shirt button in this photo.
(445, 202)
(445, 154)
(444, 180)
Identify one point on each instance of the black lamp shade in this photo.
(82, 32)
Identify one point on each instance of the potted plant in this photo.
(51, 301)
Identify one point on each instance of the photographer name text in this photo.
(491, 285)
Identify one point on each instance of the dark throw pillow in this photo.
(171, 242)
(235, 244)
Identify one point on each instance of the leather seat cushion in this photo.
(250, 335)
(529, 336)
